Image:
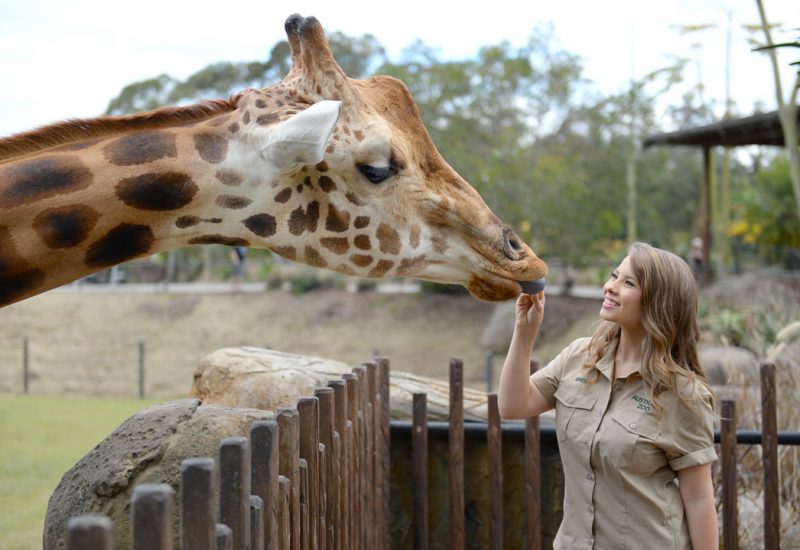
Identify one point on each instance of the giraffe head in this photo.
(364, 189)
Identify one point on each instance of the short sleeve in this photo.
(692, 432)
(548, 378)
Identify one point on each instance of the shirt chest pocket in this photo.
(573, 411)
(634, 444)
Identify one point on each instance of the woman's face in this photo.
(622, 297)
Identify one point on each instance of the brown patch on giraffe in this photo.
(337, 245)
(262, 225)
(124, 242)
(284, 195)
(212, 148)
(359, 135)
(388, 239)
(304, 219)
(414, 236)
(38, 179)
(353, 198)
(337, 220)
(314, 258)
(246, 118)
(412, 266)
(327, 184)
(287, 252)
(361, 260)
(260, 103)
(190, 221)
(229, 178)
(141, 148)
(322, 166)
(307, 181)
(330, 148)
(233, 128)
(157, 191)
(65, 226)
(381, 268)
(439, 241)
(267, 119)
(17, 278)
(344, 268)
(219, 239)
(299, 188)
(362, 242)
(361, 222)
(233, 202)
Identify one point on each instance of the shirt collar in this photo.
(606, 363)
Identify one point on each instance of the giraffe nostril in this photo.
(513, 247)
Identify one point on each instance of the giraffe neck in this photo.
(72, 210)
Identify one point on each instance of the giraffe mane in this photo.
(76, 130)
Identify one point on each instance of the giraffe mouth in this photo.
(491, 287)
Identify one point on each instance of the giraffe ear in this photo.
(301, 140)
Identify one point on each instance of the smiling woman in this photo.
(633, 411)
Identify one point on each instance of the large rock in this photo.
(147, 448)
(266, 379)
(729, 365)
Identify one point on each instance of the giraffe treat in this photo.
(320, 168)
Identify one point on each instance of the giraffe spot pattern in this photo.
(337, 220)
(322, 166)
(337, 245)
(361, 260)
(287, 252)
(212, 148)
(246, 118)
(141, 148)
(412, 266)
(353, 198)
(229, 178)
(35, 180)
(327, 184)
(361, 222)
(124, 242)
(362, 242)
(414, 240)
(381, 268)
(388, 239)
(219, 239)
(301, 220)
(284, 195)
(262, 225)
(439, 241)
(233, 202)
(267, 119)
(314, 258)
(65, 226)
(233, 128)
(190, 221)
(157, 191)
(17, 278)
(359, 135)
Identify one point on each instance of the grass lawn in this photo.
(41, 437)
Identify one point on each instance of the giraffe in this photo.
(320, 168)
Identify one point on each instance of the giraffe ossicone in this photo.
(320, 168)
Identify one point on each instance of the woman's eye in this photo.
(375, 174)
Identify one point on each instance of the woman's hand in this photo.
(530, 310)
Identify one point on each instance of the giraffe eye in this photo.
(376, 174)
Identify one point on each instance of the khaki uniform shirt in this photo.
(620, 460)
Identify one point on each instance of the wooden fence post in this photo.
(288, 423)
(327, 427)
(197, 504)
(419, 445)
(90, 532)
(456, 454)
(224, 536)
(256, 523)
(234, 488)
(308, 410)
(341, 444)
(264, 472)
(533, 479)
(495, 450)
(769, 449)
(730, 521)
(385, 448)
(151, 516)
(354, 462)
(284, 513)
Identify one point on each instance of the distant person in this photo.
(634, 414)
(696, 258)
(238, 255)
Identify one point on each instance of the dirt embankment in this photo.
(82, 343)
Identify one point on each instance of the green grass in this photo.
(40, 439)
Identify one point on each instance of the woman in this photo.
(634, 415)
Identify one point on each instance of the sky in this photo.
(63, 60)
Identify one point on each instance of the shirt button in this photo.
(590, 477)
(589, 509)
(633, 424)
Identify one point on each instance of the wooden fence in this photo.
(318, 476)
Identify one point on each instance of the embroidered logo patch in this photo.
(581, 379)
(644, 404)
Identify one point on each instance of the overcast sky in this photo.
(69, 59)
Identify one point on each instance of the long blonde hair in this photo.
(669, 319)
